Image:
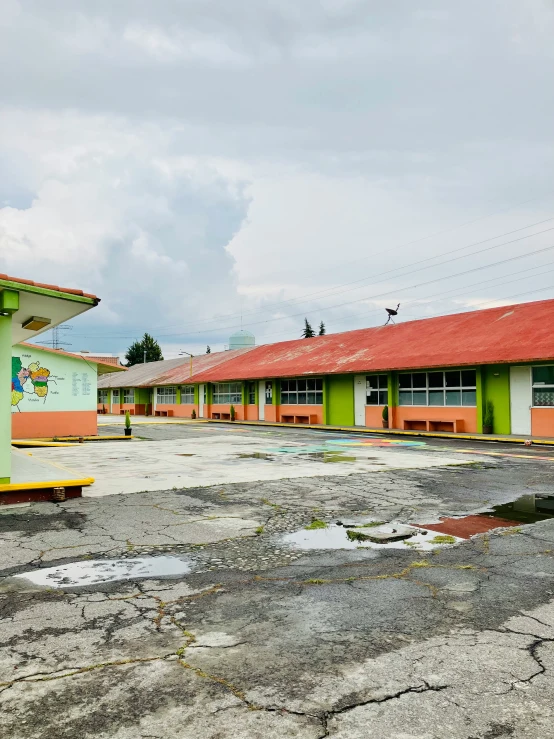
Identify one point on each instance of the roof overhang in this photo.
(25, 302)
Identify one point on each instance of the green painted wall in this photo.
(340, 400)
(496, 387)
(5, 398)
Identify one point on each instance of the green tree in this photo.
(148, 344)
(208, 349)
(322, 329)
(307, 331)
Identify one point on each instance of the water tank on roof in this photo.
(241, 339)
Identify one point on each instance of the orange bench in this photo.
(434, 424)
(163, 413)
(299, 418)
(123, 412)
(221, 416)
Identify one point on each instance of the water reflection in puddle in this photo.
(335, 536)
(94, 572)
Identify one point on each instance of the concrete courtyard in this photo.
(184, 597)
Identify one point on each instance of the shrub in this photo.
(193, 414)
(488, 419)
(385, 413)
(127, 420)
(233, 412)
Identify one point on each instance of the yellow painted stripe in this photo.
(392, 432)
(27, 443)
(48, 484)
(162, 423)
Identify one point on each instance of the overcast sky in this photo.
(189, 160)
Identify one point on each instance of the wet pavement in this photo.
(257, 636)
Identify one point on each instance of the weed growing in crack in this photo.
(316, 524)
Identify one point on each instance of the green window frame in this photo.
(251, 393)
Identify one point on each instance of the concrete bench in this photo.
(299, 418)
(123, 412)
(221, 416)
(434, 424)
(163, 413)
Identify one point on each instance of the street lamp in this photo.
(191, 357)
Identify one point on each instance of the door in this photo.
(261, 400)
(520, 400)
(201, 400)
(359, 400)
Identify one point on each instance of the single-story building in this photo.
(27, 309)
(54, 392)
(431, 374)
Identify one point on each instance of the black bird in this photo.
(392, 313)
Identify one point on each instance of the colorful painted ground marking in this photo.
(376, 441)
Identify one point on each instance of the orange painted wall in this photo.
(437, 413)
(374, 416)
(182, 410)
(251, 412)
(542, 421)
(270, 413)
(46, 424)
(301, 410)
(226, 408)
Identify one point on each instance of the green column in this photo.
(276, 398)
(5, 398)
(479, 401)
(392, 386)
(178, 395)
(325, 401)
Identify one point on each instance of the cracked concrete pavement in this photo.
(261, 640)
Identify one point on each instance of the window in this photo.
(543, 386)
(302, 392)
(166, 395)
(187, 394)
(268, 392)
(115, 396)
(128, 395)
(227, 392)
(252, 393)
(453, 387)
(102, 396)
(376, 390)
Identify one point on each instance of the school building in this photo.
(432, 374)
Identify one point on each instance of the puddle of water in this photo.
(527, 509)
(93, 572)
(336, 537)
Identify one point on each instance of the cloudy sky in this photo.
(192, 160)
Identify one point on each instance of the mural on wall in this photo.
(43, 381)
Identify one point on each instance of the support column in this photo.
(5, 398)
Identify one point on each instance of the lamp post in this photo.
(191, 357)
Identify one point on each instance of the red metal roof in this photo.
(205, 362)
(46, 286)
(517, 333)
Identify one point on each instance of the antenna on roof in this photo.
(392, 312)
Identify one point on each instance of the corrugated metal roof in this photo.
(512, 334)
(167, 371)
(46, 286)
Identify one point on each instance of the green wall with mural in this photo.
(496, 387)
(340, 400)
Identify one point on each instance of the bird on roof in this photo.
(392, 312)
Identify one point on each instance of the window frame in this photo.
(103, 396)
(424, 387)
(186, 392)
(379, 391)
(227, 393)
(128, 397)
(167, 392)
(117, 393)
(298, 390)
(251, 392)
(541, 386)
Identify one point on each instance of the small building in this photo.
(431, 374)
(54, 392)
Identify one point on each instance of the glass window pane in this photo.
(371, 398)
(301, 384)
(405, 398)
(383, 397)
(453, 397)
(452, 379)
(436, 397)
(419, 398)
(469, 378)
(469, 397)
(543, 375)
(436, 379)
(301, 398)
(284, 385)
(319, 384)
(373, 381)
(311, 384)
(311, 398)
(419, 379)
(319, 397)
(543, 397)
(383, 382)
(405, 381)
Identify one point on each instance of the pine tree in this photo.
(307, 331)
(135, 353)
(208, 350)
(322, 329)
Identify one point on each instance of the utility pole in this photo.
(191, 357)
(145, 356)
